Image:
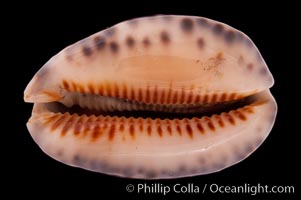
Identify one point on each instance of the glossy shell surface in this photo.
(148, 66)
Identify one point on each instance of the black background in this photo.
(40, 31)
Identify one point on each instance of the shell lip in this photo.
(152, 111)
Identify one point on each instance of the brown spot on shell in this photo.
(165, 38)
(146, 42)
(219, 57)
(250, 66)
(114, 47)
(218, 28)
(263, 71)
(229, 36)
(100, 42)
(87, 51)
(200, 43)
(187, 24)
(130, 42)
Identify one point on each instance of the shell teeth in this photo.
(105, 126)
(100, 105)
(153, 95)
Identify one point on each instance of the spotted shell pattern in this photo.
(151, 63)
